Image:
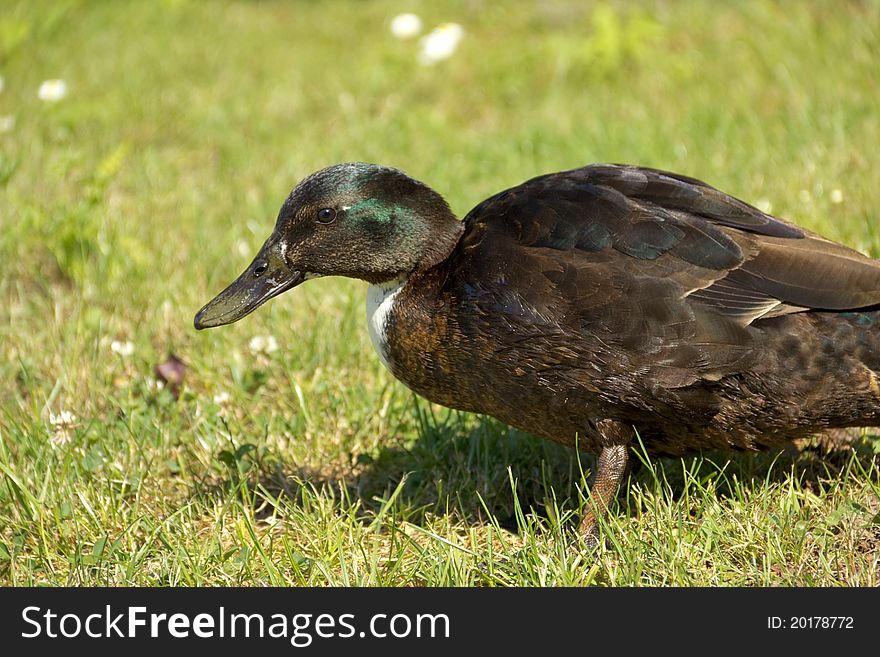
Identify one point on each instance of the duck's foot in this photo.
(591, 536)
(610, 470)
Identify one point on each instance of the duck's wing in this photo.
(781, 263)
(653, 260)
(720, 251)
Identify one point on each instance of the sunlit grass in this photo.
(128, 203)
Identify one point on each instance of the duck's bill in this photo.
(256, 285)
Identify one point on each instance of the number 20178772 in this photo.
(810, 623)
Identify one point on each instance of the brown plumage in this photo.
(583, 305)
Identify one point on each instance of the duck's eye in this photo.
(326, 215)
(260, 269)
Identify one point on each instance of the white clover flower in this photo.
(406, 26)
(7, 123)
(836, 196)
(263, 344)
(52, 90)
(62, 427)
(222, 398)
(124, 349)
(441, 43)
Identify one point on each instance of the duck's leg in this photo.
(610, 470)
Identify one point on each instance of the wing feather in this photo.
(723, 253)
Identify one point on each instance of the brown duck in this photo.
(585, 305)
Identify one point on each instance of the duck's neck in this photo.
(381, 294)
(444, 238)
(426, 243)
(380, 301)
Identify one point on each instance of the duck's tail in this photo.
(838, 373)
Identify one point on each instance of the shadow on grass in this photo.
(477, 469)
(467, 467)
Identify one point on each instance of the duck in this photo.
(602, 308)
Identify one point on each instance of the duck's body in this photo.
(581, 305)
(529, 322)
(804, 374)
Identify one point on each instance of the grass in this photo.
(129, 203)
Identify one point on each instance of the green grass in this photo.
(128, 204)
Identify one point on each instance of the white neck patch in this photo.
(380, 300)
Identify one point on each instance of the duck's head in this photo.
(358, 220)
